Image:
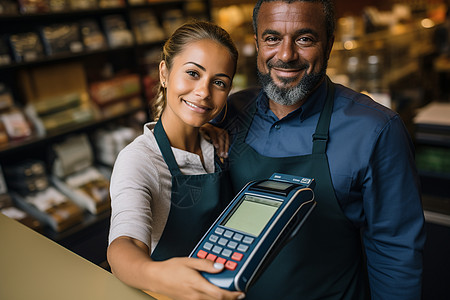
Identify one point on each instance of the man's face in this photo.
(293, 49)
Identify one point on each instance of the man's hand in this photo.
(218, 137)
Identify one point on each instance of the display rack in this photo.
(92, 232)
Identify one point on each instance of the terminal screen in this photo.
(252, 214)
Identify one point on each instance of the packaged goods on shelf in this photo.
(16, 124)
(76, 176)
(117, 32)
(117, 95)
(109, 142)
(7, 208)
(62, 38)
(26, 47)
(88, 188)
(31, 192)
(83, 4)
(27, 177)
(92, 37)
(111, 3)
(58, 5)
(146, 27)
(9, 7)
(33, 6)
(50, 207)
(6, 97)
(57, 96)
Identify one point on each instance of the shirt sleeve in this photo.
(394, 234)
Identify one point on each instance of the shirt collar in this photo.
(313, 105)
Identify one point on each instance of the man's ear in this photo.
(163, 73)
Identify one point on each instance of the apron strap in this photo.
(320, 137)
(166, 149)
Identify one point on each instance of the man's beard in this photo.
(290, 95)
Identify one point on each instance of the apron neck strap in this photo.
(166, 149)
(320, 137)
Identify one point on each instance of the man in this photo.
(368, 226)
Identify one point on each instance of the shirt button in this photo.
(277, 126)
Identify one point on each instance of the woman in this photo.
(167, 188)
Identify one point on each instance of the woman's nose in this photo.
(202, 89)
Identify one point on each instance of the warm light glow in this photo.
(427, 23)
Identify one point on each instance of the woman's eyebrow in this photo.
(203, 69)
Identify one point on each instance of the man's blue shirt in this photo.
(371, 160)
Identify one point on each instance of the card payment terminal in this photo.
(254, 227)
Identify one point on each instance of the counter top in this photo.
(34, 267)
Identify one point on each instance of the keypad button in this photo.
(219, 231)
(242, 248)
(213, 238)
(208, 246)
(231, 265)
(238, 237)
(202, 254)
(217, 249)
(232, 245)
(211, 256)
(237, 256)
(227, 252)
(222, 241)
(228, 234)
(248, 240)
(221, 260)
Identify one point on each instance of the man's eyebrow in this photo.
(203, 69)
(298, 32)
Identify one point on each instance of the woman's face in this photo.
(198, 83)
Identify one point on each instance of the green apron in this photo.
(324, 260)
(196, 201)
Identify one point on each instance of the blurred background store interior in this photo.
(77, 77)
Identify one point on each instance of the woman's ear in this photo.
(163, 73)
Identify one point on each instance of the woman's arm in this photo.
(178, 278)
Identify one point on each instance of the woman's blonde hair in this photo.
(186, 34)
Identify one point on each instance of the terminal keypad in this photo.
(226, 247)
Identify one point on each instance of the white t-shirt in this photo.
(141, 186)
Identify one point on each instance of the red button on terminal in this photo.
(202, 254)
(211, 257)
(237, 256)
(221, 260)
(231, 265)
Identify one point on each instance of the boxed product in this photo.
(83, 4)
(75, 175)
(7, 208)
(58, 5)
(57, 96)
(93, 38)
(111, 3)
(50, 207)
(33, 6)
(146, 27)
(16, 124)
(26, 47)
(8, 7)
(117, 95)
(117, 32)
(26, 177)
(109, 142)
(62, 38)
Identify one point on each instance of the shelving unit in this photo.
(89, 238)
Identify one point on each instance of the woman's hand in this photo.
(179, 278)
(218, 137)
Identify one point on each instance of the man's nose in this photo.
(287, 51)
